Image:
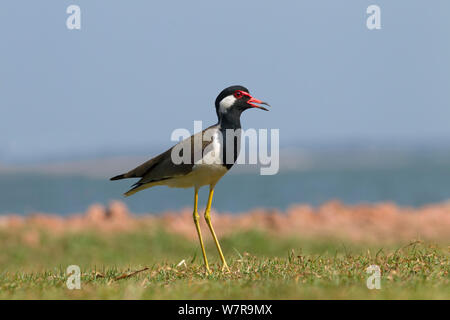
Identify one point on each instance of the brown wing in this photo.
(162, 167)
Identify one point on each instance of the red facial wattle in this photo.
(251, 101)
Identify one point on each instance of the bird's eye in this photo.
(238, 94)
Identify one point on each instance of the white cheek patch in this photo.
(226, 103)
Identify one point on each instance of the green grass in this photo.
(262, 266)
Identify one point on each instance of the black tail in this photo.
(119, 177)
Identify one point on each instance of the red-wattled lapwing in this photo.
(204, 167)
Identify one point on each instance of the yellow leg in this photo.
(208, 221)
(197, 226)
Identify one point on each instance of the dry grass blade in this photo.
(128, 275)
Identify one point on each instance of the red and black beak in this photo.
(252, 102)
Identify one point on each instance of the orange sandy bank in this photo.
(383, 222)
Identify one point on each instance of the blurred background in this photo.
(363, 114)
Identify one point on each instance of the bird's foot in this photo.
(225, 268)
(208, 270)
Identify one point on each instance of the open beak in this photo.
(252, 102)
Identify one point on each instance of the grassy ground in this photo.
(262, 266)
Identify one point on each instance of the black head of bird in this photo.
(234, 100)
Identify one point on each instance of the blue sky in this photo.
(139, 69)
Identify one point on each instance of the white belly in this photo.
(201, 175)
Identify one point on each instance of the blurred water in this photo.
(412, 186)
